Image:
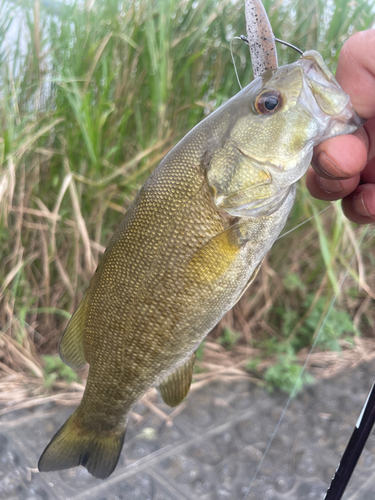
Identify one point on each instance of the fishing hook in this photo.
(244, 39)
(289, 45)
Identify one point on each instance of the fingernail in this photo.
(330, 186)
(359, 205)
(327, 166)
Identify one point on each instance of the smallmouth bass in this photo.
(190, 244)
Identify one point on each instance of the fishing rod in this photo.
(353, 449)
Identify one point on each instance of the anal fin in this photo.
(176, 386)
(71, 347)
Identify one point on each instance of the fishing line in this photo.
(307, 220)
(293, 393)
(244, 39)
(234, 64)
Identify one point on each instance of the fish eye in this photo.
(268, 102)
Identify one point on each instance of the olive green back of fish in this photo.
(188, 247)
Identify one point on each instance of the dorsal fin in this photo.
(71, 345)
(176, 386)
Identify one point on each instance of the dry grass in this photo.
(18, 390)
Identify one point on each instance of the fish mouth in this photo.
(312, 64)
(356, 121)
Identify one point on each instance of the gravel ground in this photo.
(212, 449)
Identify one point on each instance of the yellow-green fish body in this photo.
(190, 244)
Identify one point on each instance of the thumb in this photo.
(356, 72)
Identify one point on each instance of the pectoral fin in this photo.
(214, 258)
(71, 346)
(176, 386)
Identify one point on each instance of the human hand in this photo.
(344, 166)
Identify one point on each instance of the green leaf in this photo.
(228, 338)
(55, 369)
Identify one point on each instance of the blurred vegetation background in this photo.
(92, 95)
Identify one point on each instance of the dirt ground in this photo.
(210, 450)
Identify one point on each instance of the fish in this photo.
(190, 244)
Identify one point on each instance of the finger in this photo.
(330, 189)
(369, 129)
(368, 174)
(356, 72)
(341, 157)
(359, 206)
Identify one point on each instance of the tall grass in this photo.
(92, 96)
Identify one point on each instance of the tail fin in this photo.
(72, 445)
